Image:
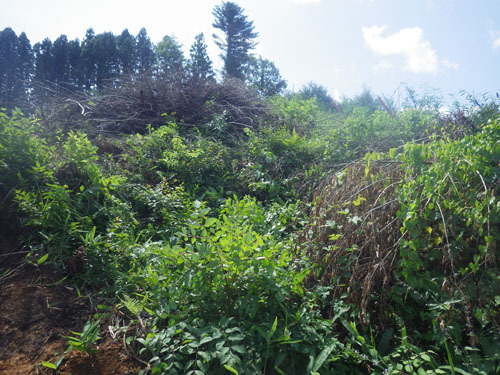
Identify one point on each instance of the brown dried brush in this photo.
(353, 234)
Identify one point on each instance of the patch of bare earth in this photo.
(35, 312)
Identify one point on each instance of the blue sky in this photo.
(344, 45)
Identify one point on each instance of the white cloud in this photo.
(450, 64)
(306, 1)
(496, 43)
(495, 39)
(409, 42)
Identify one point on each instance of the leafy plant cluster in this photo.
(22, 152)
(194, 235)
(449, 258)
(430, 269)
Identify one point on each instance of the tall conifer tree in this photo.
(146, 57)
(24, 67)
(127, 56)
(9, 60)
(199, 64)
(237, 37)
(170, 55)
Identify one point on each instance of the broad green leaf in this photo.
(230, 369)
(425, 357)
(358, 201)
(273, 329)
(239, 349)
(384, 341)
(210, 221)
(49, 365)
(322, 357)
(42, 259)
(206, 339)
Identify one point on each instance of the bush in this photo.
(25, 157)
(227, 293)
(432, 271)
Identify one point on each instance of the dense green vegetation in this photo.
(244, 230)
(205, 241)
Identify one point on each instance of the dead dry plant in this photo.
(127, 104)
(353, 233)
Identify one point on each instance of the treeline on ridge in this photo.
(100, 60)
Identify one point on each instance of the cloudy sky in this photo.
(345, 45)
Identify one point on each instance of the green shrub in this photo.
(71, 199)
(199, 164)
(25, 157)
(450, 216)
(296, 113)
(228, 293)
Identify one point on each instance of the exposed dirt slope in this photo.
(35, 311)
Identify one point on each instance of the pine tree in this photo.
(170, 55)
(106, 57)
(9, 60)
(199, 64)
(44, 68)
(237, 39)
(320, 93)
(60, 54)
(89, 66)
(76, 77)
(24, 67)
(146, 57)
(127, 60)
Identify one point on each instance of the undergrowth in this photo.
(286, 249)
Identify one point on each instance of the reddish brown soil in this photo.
(35, 312)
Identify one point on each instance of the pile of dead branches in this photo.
(128, 104)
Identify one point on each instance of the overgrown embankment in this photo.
(205, 240)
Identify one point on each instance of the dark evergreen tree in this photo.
(60, 54)
(44, 69)
(199, 64)
(9, 59)
(125, 44)
(237, 37)
(263, 75)
(89, 65)
(76, 77)
(44, 61)
(146, 57)
(25, 68)
(106, 57)
(170, 55)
